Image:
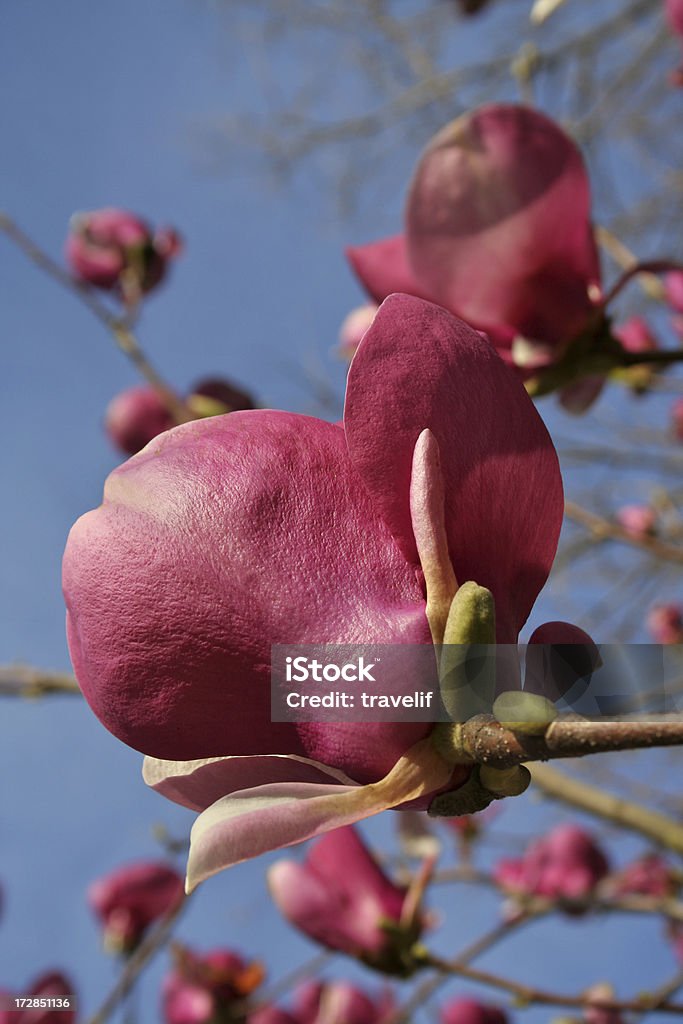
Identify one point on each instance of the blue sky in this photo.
(103, 105)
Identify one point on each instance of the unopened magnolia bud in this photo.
(467, 665)
(527, 713)
(505, 781)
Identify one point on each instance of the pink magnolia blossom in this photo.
(334, 1002)
(137, 415)
(648, 876)
(354, 327)
(103, 246)
(564, 865)
(470, 1011)
(127, 901)
(50, 984)
(230, 534)
(340, 897)
(673, 10)
(498, 231)
(200, 989)
(638, 520)
(665, 623)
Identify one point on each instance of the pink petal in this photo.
(254, 821)
(382, 268)
(498, 223)
(222, 537)
(198, 784)
(491, 440)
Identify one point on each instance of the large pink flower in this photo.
(498, 228)
(340, 897)
(230, 534)
(498, 231)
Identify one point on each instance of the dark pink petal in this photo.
(222, 537)
(382, 268)
(498, 223)
(492, 444)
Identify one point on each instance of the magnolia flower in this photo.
(112, 248)
(136, 416)
(648, 876)
(340, 897)
(226, 535)
(334, 1002)
(498, 231)
(638, 520)
(127, 901)
(51, 984)
(564, 865)
(470, 1011)
(665, 623)
(201, 988)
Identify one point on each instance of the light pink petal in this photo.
(492, 445)
(198, 784)
(251, 822)
(382, 268)
(254, 821)
(498, 223)
(223, 537)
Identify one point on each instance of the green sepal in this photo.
(467, 659)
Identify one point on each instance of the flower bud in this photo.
(564, 865)
(134, 417)
(114, 249)
(127, 901)
(665, 623)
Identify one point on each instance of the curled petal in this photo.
(198, 784)
(253, 821)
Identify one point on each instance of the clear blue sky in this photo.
(103, 105)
